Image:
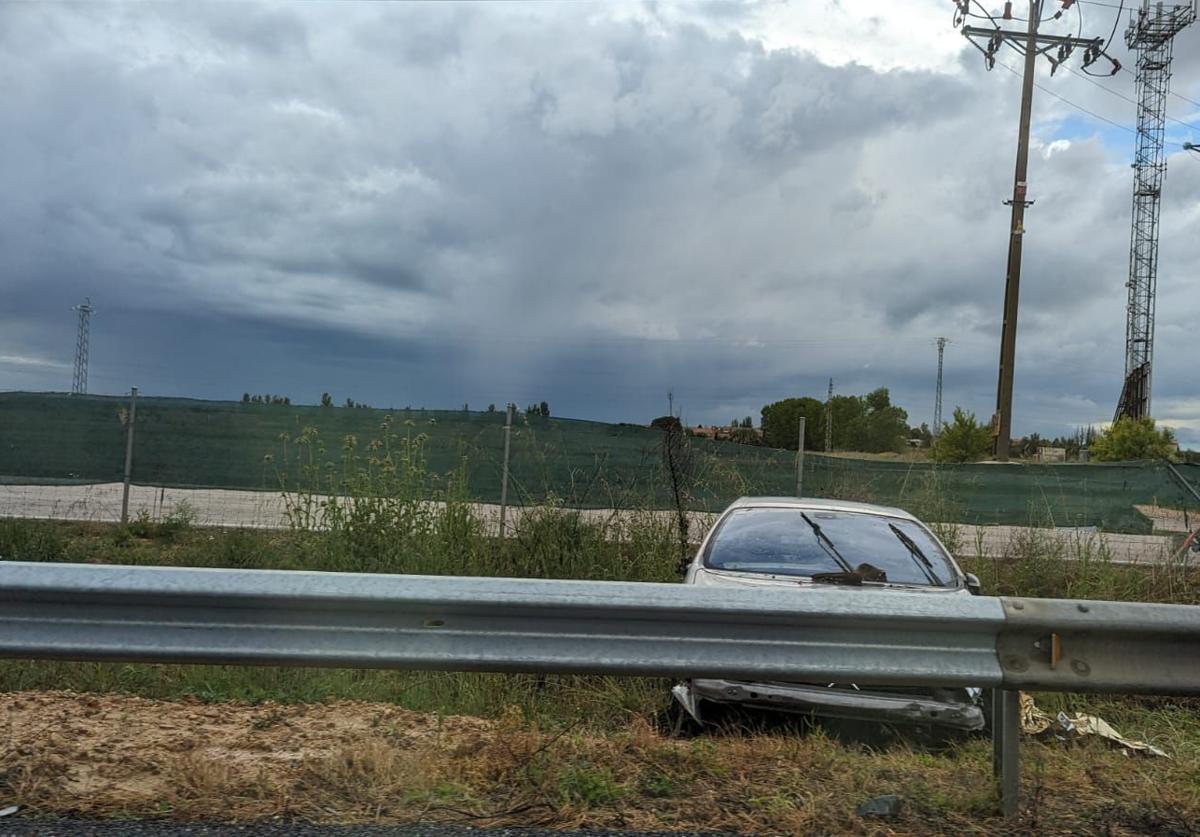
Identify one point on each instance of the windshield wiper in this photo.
(828, 546)
(918, 556)
(851, 578)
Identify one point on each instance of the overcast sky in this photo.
(587, 203)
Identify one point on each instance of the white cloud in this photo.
(33, 362)
(605, 200)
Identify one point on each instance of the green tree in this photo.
(781, 423)
(544, 409)
(1133, 439)
(326, 400)
(245, 398)
(860, 422)
(923, 433)
(962, 440)
(883, 425)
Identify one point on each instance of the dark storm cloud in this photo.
(433, 204)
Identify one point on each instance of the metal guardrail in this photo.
(149, 614)
(828, 634)
(834, 634)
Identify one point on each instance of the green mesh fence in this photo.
(180, 442)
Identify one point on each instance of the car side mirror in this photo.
(973, 584)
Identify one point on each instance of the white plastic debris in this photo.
(1066, 727)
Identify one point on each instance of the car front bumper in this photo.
(836, 702)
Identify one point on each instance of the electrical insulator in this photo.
(1008, 10)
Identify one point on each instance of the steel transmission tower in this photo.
(1030, 44)
(1152, 33)
(937, 402)
(79, 381)
(829, 418)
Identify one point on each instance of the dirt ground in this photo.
(1170, 520)
(108, 756)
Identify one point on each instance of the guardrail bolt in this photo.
(1018, 605)
(1015, 663)
(1083, 608)
(1081, 668)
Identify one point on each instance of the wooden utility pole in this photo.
(1016, 236)
(1057, 49)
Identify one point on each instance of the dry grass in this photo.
(359, 762)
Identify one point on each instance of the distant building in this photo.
(1048, 454)
(746, 435)
(704, 432)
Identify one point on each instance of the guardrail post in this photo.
(1006, 730)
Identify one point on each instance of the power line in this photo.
(1116, 23)
(1091, 80)
(1098, 3)
(1067, 101)
(1092, 113)
(1192, 102)
(1129, 99)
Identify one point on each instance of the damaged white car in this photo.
(801, 543)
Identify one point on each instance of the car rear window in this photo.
(779, 541)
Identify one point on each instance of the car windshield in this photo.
(780, 541)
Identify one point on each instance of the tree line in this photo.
(870, 423)
(247, 398)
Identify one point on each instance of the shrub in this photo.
(963, 440)
(1131, 438)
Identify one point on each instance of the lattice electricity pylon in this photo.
(79, 382)
(937, 403)
(1152, 33)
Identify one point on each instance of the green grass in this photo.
(184, 442)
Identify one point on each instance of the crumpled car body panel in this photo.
(963, 714)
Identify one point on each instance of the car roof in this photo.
(820, 504)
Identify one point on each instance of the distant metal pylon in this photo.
(79, 382)
(937, 403)
(1152, 34)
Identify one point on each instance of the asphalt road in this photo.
(20, 827)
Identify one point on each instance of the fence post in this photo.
(1006, 731)
(504, 473)
(800, 460)
(128, 453)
